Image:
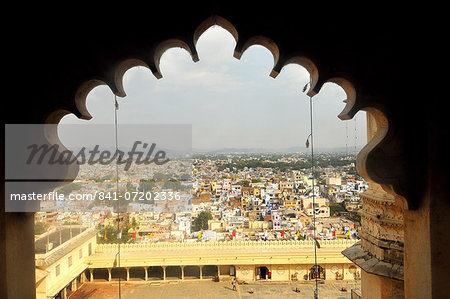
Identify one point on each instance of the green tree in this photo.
(336, 209)
(109, 234)
(67, 189)
(147, 185)
(173, 185)
(201, 221)
(133, 222)
(244, 183)
(130, 187)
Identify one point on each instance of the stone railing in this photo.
(225, 245)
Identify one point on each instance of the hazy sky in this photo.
(229, 102)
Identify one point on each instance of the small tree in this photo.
(201, 221)
(133, 222)
(245, 183)
(109, 234)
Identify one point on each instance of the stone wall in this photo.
(344, 243)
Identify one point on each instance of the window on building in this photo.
(80, 253)
(69, 261)
(57, 270)
(90, 249)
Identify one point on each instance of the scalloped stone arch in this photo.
(56, 116)
(264, 41)
(166, 45)
(305, 62)
(407, 156)
(122, 68)
(152, 62)
(81, 96)
(211, 21)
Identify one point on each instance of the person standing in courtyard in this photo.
(233, 282)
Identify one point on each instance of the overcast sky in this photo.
(230, 103)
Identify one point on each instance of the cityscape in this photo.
(224, 197)
(210, 151)
(209, 198)
(234, 219)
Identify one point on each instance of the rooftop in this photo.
(56, 237)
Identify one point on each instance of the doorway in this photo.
(263, 273)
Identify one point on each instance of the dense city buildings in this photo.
(233, 204)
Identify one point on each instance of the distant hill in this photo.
(283, 150)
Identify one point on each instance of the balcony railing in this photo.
(225, 245)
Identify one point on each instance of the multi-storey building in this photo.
(60, 268)
(320, 207)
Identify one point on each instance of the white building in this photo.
(62, 269)
(320, 207)
(333, 180)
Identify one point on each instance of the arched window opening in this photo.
(250, 171)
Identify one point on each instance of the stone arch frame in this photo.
(368, 160)
(417, 145)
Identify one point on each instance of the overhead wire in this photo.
(119, 233)
(310, 143)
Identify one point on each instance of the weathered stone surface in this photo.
(371, 264)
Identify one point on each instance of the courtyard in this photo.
(210, 289)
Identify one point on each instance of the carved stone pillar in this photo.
(381, 225)
(74, 285)
(380, 252)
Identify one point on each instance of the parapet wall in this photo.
(226, 245)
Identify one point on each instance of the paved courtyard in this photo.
(210, 289)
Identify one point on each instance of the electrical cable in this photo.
(119, 233)
(310, 142)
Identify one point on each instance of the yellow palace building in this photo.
(78, 260)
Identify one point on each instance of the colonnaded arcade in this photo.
(80, 259)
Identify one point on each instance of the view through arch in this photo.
(248, 159)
